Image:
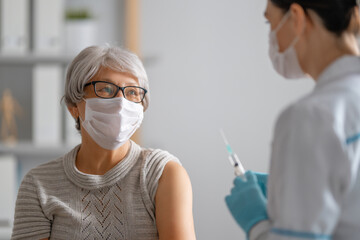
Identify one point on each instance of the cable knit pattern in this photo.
(58, 201)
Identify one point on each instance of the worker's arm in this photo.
(309, 178)
(262, 179)
(173, 202)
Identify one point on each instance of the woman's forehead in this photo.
(119, 78)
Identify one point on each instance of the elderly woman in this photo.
(108, 187)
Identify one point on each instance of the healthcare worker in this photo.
(314, 181)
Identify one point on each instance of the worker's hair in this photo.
(335, 14)
(93, 59)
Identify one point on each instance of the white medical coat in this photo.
(314, 181)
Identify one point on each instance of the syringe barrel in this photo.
(239, 168)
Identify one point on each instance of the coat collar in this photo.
(340, 68)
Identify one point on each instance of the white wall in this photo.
(212, 71)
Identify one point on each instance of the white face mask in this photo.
(285, 63)
(111, 122)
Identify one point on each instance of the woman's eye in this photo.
(132, 92)
(106, 90)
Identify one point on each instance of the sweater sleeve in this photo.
(154, 167)
(30, 221)
(154, 162)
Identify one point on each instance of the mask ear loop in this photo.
(281, 24)
(282, 21)
(79, 118)
(303, 30)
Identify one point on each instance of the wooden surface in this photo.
(132, 8)
(132, 26)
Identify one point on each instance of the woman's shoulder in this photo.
(46, 171)
(153, 162)
(54, 167)
(153, 158)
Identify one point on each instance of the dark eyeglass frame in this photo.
(117, 91)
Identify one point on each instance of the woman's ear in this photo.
(74, 111)
(298, 18)
(355, 21)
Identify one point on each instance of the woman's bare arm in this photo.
(173, 201)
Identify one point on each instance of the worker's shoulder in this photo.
(304, 105)
(336, 106)
(345, 88)
(307, 110)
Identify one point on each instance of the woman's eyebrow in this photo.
(132, 82)
(106, 80)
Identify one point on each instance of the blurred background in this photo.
(208, 69)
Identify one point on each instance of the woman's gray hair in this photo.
(91, 60)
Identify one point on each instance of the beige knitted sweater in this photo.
(58, 201)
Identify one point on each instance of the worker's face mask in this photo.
(285, 63)
(111, 122)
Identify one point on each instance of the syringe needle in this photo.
(223, 136)
(228, 148)
(234, 160)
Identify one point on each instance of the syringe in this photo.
(233, 158)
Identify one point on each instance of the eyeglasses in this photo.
(109, 90)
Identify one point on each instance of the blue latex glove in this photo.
(262, 181)
(246, 202)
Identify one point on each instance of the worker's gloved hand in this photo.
(246, 202)
(262, 181)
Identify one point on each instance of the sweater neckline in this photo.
(90, 181)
